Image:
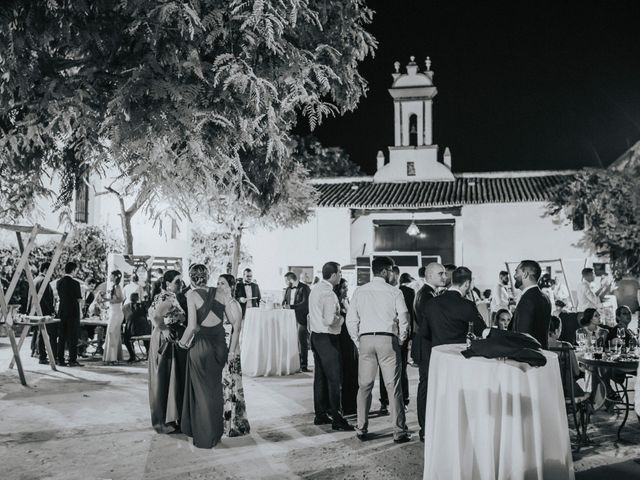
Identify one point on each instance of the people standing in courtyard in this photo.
(70, 296)
(349, 353)
(325, 323)
(167, 362)
(203, 406)
(135, 315)
(533, 312)
(247, 291)
(435, 278)
(113, 343)
(236, 422)
(296, 297)
(378, 322)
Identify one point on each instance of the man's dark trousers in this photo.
(69, 331)
(303, 343)
(327, 374)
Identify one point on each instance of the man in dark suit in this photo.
(296, 297)
(247, 291)
(435, 277)
(533, 312)
(47, 305)
(70, 296)
(449, 314)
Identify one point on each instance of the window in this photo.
(578, 222)
(413, 130)
(411, 169)
(82, 203)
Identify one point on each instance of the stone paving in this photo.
(92, 423)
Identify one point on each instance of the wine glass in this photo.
(620, 333)
(581, 338)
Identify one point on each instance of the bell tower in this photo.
(413, 95)
(413, 157)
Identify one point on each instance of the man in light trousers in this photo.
(378, 323)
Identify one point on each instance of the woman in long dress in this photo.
(349, 354)
(203, 406)
(236, 422)
(167, 362)
(113, 343)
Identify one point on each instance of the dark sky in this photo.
(549, 85)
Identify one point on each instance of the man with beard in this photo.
(449, 268)
(533, 312)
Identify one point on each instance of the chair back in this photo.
(566, 370)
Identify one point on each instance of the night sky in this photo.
(553, 85)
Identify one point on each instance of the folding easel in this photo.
(7, 312)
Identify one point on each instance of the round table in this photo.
(269, 343)
(495, 419)
(625, 366)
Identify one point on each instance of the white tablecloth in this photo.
(269, 343)
(490, 419)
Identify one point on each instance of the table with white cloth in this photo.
(269, 343)
(495, 419)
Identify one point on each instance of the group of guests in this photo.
(195, 376)
(385, 321)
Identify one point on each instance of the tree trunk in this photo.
(237, 242)
(127, 232)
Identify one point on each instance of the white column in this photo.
(396, 115)
(428, 124)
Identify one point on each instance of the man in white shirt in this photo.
(132, 287)
(378, 323)
(325, 323)
(586, 297)
(500, 297)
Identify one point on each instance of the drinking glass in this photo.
(582, 340)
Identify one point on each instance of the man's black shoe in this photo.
(322, 420)
(75, 364)
(383, 410)
(43, 361)
(363, 437)
(304, 369)
(402, 439)
(343, 426)
(61, 364)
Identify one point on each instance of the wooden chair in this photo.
(578, 404)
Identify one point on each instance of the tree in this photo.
(609, 203)
(244, 209)
(168, 94)
(323, 161)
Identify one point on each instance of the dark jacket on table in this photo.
(69, 293)
(240, 293)
(300, 302)
(421, 346)
(512, 345)
(448, 316)
(532, 316)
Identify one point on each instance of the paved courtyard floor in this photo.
(93, 423)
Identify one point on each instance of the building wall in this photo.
(324, 238)
(496, 233)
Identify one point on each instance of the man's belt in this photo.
(386, 334)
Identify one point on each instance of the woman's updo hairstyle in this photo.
(199, 275)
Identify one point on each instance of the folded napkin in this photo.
(505, 344)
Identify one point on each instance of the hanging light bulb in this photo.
(413, 229)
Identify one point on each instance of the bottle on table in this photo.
(470, 334)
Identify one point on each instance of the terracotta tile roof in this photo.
(462, 191)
